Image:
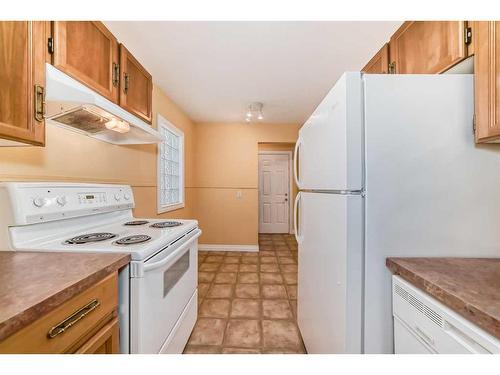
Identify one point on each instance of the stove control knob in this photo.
(39, 202)
(61, 201)
(126, 196)
(117, 197)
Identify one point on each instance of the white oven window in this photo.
(170, 186)
(175, 272)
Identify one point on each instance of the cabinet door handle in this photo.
(73, 319)
(392, 68)
(127, 82)
(39, 103)
(116, 74)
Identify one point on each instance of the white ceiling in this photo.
(214, 69)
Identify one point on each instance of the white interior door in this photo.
(274, 193)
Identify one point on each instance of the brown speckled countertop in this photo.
(34, 283)
(468, 286)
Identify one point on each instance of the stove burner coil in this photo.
(91, 237)
(136, 222)
(132, 240)
(166, 224)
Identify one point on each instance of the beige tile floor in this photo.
(248, 301)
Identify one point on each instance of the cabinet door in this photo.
(22, 80)
(106, 341)
(486, 36)
(379, 64)
(427, 47)
(88, 52)
(136, 86)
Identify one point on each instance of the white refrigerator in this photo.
(386, 166)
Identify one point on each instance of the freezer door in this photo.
(330, 232)
(329, 150)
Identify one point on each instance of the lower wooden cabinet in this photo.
(87, 323)
(486, 35)
(23, 46)
(427, 47)
(106, 341)
(379, 64)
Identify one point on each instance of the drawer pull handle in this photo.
(73, 319)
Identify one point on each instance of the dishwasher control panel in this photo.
(424, 325)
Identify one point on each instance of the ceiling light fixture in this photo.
(254, 111)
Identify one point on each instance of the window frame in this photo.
(164, 123)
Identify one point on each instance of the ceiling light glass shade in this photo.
(254, 111)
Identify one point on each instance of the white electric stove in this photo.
(158, 290)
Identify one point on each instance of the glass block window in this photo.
(170, 188)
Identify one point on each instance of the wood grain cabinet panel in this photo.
(88, 52)
(106, 341)
(486, 35)
(427, 47)
(379, 64)
(22, 68)
(85, 323)
(136, 86)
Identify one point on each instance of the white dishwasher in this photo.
(423, 325)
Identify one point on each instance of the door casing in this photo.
(290, 185)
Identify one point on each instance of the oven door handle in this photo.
(161, 263)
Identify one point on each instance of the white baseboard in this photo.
(214, 247)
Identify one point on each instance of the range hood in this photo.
(76, 107)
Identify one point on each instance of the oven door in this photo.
(159, 294)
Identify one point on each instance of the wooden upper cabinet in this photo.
(88, 52)
(486, 35)
(379, 64)
(427, 47)
(22, 81)
(136, 86)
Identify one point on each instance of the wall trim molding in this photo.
(82, 179)
(215, 247)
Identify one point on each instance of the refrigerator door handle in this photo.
(296, 227)
(295, 162)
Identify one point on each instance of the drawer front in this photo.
(60, 330)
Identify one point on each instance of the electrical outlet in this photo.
(239, 194)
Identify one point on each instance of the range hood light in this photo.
(76, 107)
(117, 126)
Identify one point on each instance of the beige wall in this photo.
(220, 160)
(146, 195)
(69, 156)
(226, 159)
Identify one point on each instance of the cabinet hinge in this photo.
(474, 124)
(468, 35)
(50, 45)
